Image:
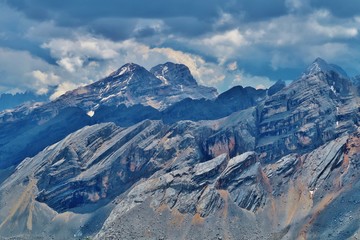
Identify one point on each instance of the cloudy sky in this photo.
(224, 43)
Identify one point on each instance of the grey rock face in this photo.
(198, 190)
(279, 85)
(174, 74)
(231, 101)
(320, 65)
(318, 107)
(356, 81)
(85, 171)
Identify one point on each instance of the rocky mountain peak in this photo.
(316, 108)
(126, 69)
(133, 70)
(320, 65)
(174, 74)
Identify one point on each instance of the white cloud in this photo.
(224, 46)
(297, 5)
(46, 78)
(260, 86)
(43, 80)
(233, 37)
(290, 30)
(20, 70)
(232, 66)
(245, 79)
(71, 64)
(206, 73)
(280, 42)
(225, 18)
(63, 88)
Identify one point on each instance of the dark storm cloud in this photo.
(186, 17)
(33, 47)
(113, 28)
(255, 10)
(83, 11)
(145, 32)
(188, 26)
(116, 19)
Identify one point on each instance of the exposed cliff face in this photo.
(316, 108)
(197, 191)
(233, 100)
(84, 172)
(286, 197)
(356, 81)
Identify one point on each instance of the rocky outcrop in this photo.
(356, 81)
(278, 86)
(318, 107)
(228, 102)
(235, 135)
(199, 190)
(92, 166)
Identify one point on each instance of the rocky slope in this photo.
(131, 87)
(356, 82)
(278, 165)
(280, 200)
(320, 106)
(81, 175)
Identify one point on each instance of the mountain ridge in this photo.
(254, 163)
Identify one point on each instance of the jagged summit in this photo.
(132, 84)
(320, 65)
(173, 73)
(126, 69)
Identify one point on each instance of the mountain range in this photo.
(154, 155)
(9, 101)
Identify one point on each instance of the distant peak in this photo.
(127, 68)
(170, 66)
(320, 60)
(276, 87)
(175, 65)
(320, 65)
(174, 74)
(280, 82)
